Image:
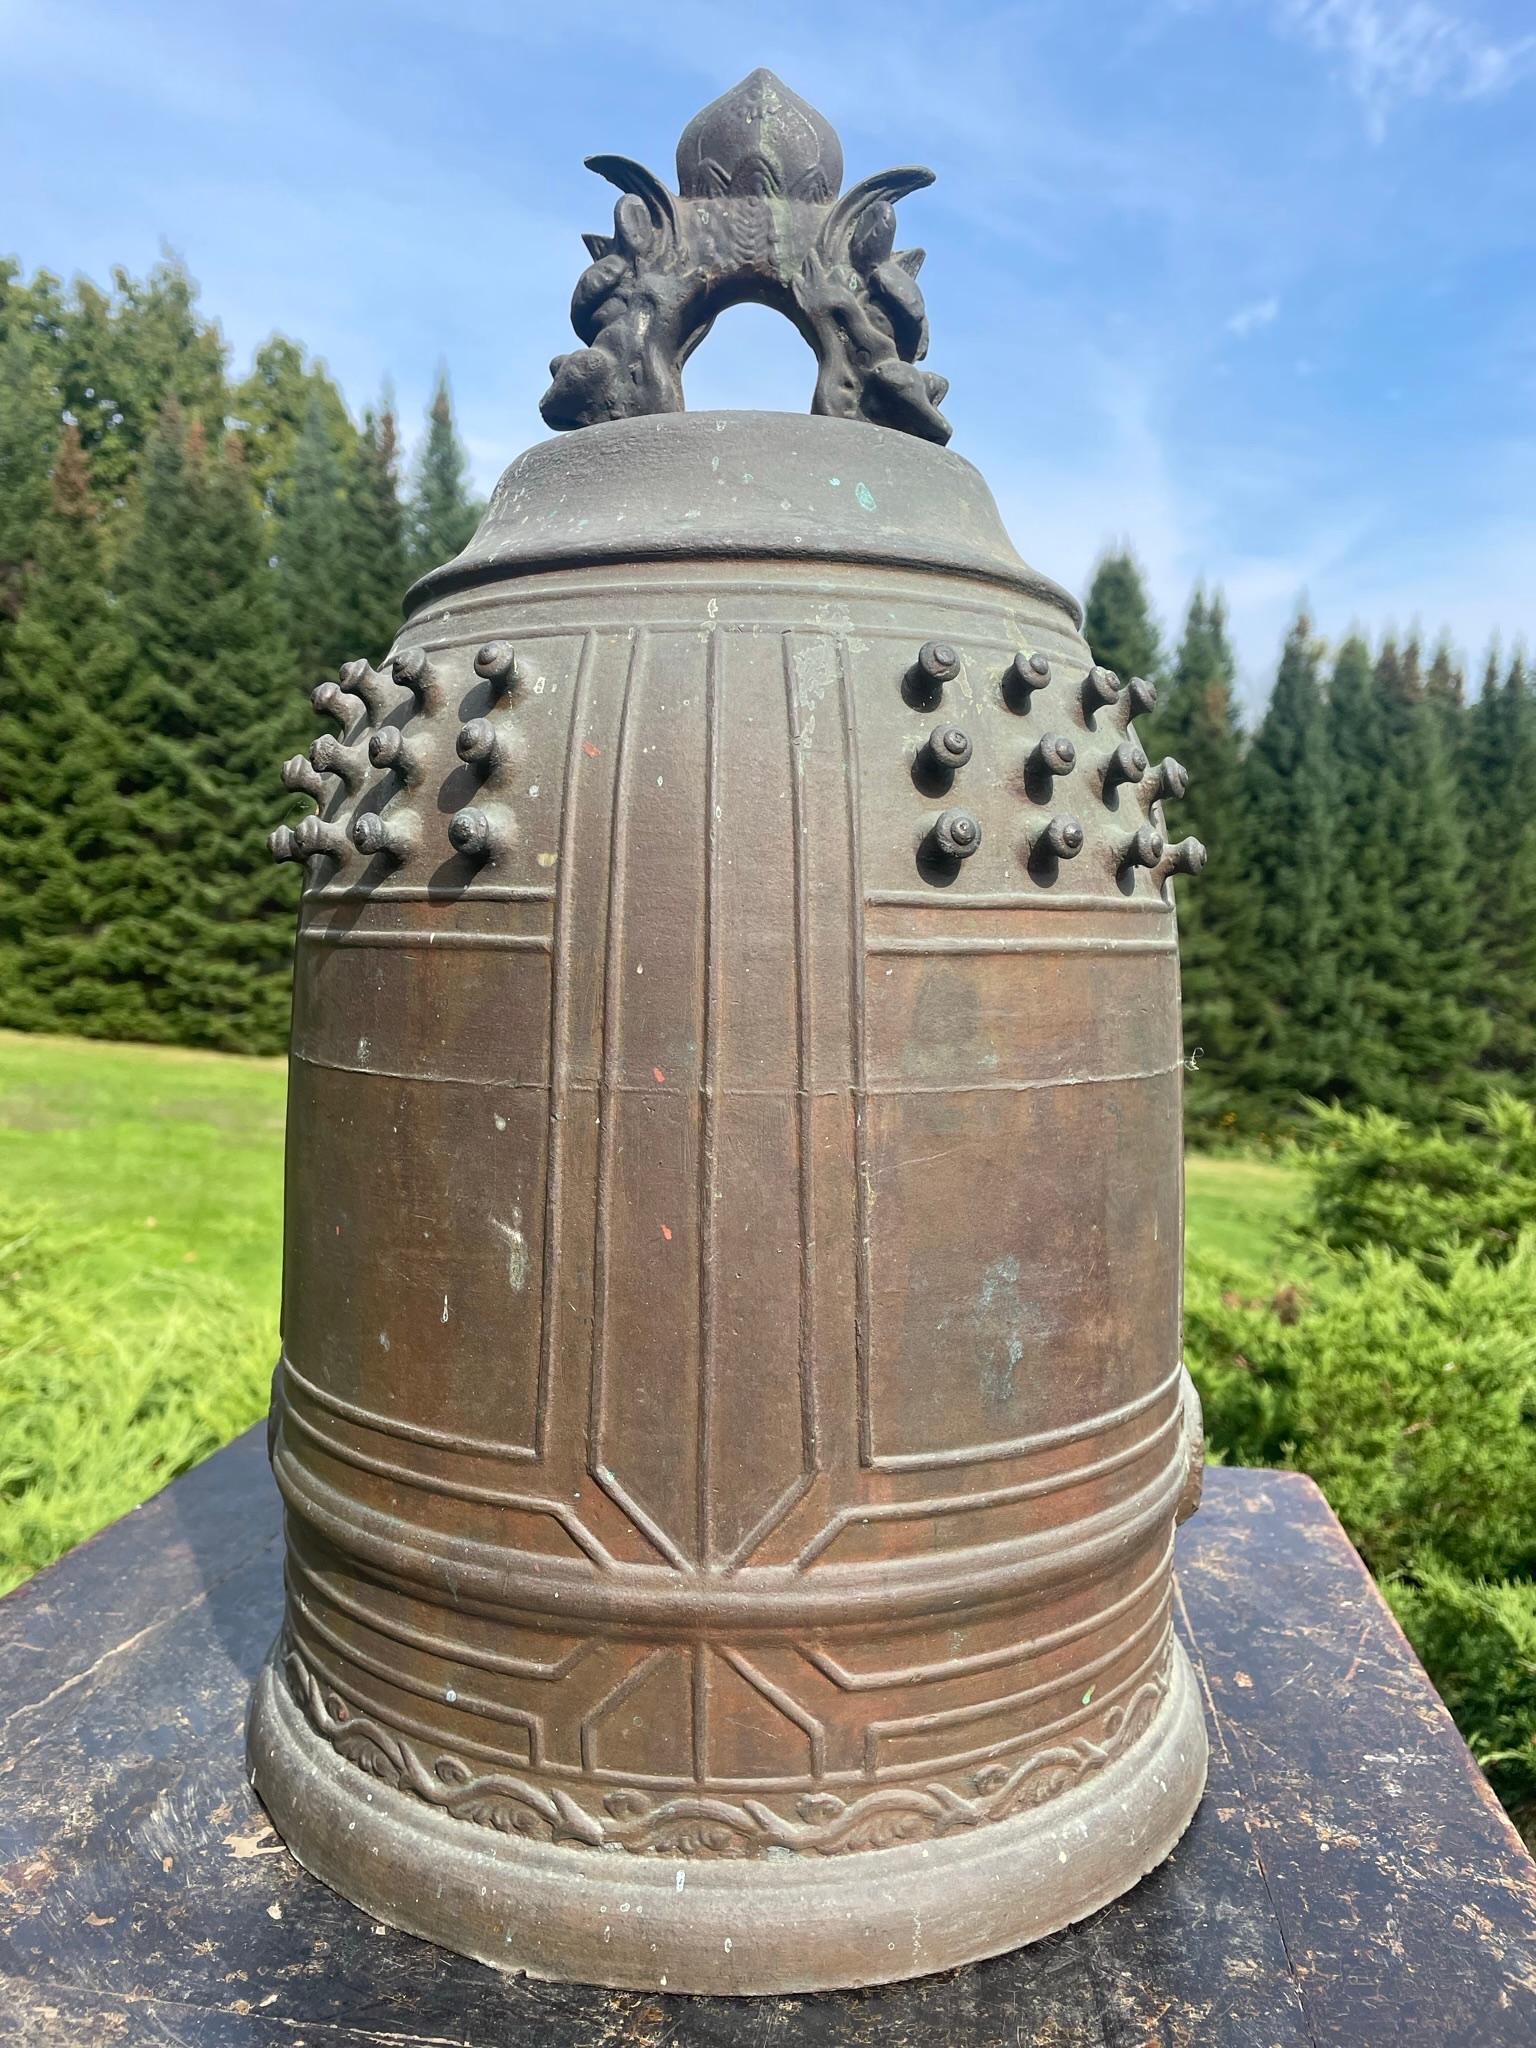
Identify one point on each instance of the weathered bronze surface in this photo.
(731, 1418)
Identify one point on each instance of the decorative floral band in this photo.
(699, 1824)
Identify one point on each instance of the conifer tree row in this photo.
(182, 558)
(181, 561)
(1352, 940)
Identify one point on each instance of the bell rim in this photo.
(801, 1923)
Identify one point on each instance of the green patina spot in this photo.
(865, 496)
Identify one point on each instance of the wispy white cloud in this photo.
(1392, 52)
(1249, 319)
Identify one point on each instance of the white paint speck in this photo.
(517, 1250)
(383, 1340)
(450, 1696)
(445, 1308)
(500, 1122)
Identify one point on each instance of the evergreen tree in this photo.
(194, 922)
(29, 440)
(272, 406)
(442, 514)
(123, 355)
(1480, 753)
(1364, 882)
(1117, 621)
(1445, 692)
(63, 672)
(1196, 723)
(1296, 1043)
(1499, 789)
(375, 538)
(1436, 1026)
(312, 552)
(1401, 889)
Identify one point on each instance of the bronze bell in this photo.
(731, 1418)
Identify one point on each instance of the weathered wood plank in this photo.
(1407, 1902)
(1348, 1877)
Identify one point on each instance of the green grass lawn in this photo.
(166, 1159)
(138, 1317)
(1235, 1208)
(140, 1217)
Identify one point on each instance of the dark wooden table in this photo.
(1349, 1877)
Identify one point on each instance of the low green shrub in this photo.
(1422, 1190)
(1410, 1400)
(1479, 1641)
(1399, 1370)
(103, 1400)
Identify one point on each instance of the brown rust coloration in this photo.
(731, 1418)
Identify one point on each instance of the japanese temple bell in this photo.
(731, 1418)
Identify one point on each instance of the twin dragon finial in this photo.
(756, 217)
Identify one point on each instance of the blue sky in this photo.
(1248, 282)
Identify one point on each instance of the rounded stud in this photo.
(1061, 836)
(1101, 686)
(302, 778)
(361, 679)
(1025, 674)
(1141, 697)
(389, 748)
(313, 835)
(392, 837)
(1126, 764)
(1144, 848)
(283, 844)
(1172, 778)
(938, 661)
(948, 747)
(412, 670)
(956, 834)
(470, 832)
(329, 757)
(496, 663)
(478, 743)
(1187, 857)
(331, 701)
(1054, 754)
(1031, 671)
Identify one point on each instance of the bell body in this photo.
(731, 1420)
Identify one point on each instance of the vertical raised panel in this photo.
(581, 910)
(1019, 1285)
(646, 1324)
(424, 1313)
(759, 1426)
